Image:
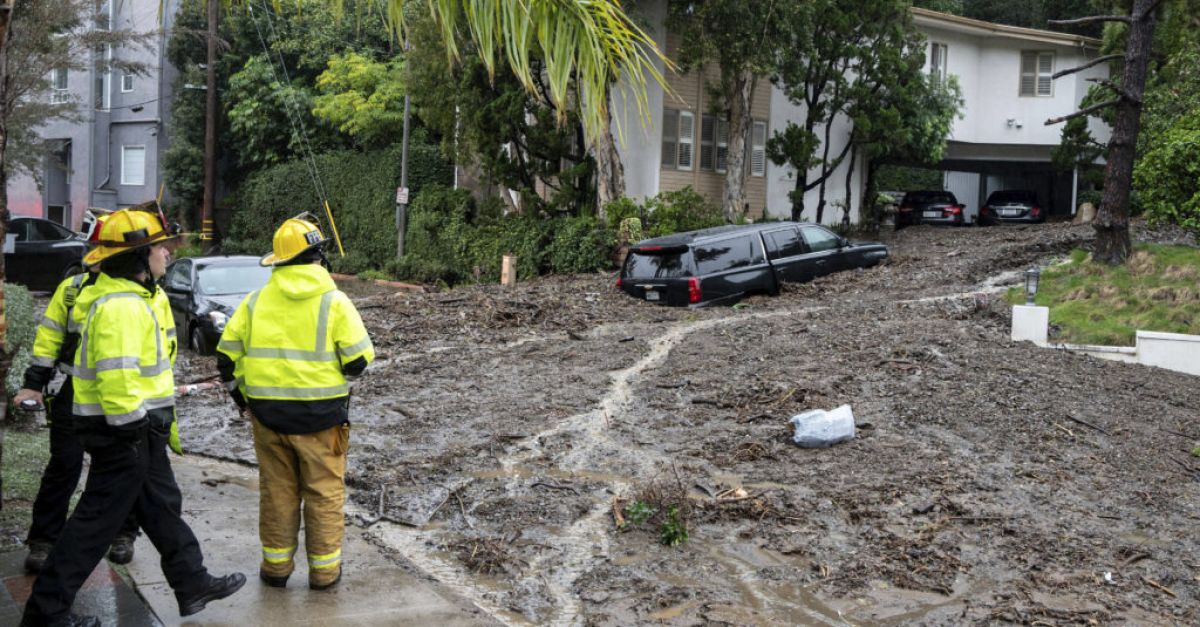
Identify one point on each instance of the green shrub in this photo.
(630, 231)
(22, 326)
(580, 245)
(362, 195)
(681, 210)
(621, 209)
(1167, 177)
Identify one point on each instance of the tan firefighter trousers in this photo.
(309, 468)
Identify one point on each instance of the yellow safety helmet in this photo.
(294, 237)
(128, 230)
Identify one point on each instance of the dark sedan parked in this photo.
(723, 264)
(41, 253)
(933, 207)
(1013, 205)
(204, 291)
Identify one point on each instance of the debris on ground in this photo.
(989, 481)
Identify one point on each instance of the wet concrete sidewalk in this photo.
(220, 502)
(104, 595)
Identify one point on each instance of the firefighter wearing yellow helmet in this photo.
(124, 408)
(286, 356)
(52, 353)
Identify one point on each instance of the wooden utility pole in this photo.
(210, 130)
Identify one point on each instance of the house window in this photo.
(679, 139)
(56, 214)
(758, 149)
(1036, 70)
(937, 61)
(126, 83)
(714, 143)
(58, 84)
(133, 165)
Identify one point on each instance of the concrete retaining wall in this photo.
(1173, 351)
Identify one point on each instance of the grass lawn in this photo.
(25, 455)
(1158, 289)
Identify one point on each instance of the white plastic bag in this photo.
(818, 428)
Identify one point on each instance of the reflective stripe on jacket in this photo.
(55, 323)
(289, 340)
(123, 366)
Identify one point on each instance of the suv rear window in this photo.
(1012, 197)
(649, 266)
(737, 252)
(928, 197)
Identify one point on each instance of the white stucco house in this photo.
(1000, 142)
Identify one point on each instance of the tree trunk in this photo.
(797, 194)
(1112, 219)
(849, 191)
(5, 361)
(738, 97)
(610, 173)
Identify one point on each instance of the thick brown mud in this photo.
(989, 481)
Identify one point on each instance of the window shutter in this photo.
(1045, 70)
(1028, 73)
(722, 144)
(758, 150)
(707, 131)
(133, 165)
(687, 139)
(670, 131)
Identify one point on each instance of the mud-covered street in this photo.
(500, 429)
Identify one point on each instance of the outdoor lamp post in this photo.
(1031, 284)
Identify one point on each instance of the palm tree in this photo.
(586, 47)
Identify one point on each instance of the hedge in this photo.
(22, 325)
(362, 195)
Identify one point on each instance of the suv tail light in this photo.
(985, 210)
(954, 209)
(905, 208)
(618, 282)
(694, 290)
(1035, 211)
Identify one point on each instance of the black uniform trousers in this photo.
(130, 472)
(62, 474)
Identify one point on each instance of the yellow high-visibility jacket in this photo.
(56, 323)
(123, 366)
(289, 344)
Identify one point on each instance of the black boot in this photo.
(273, 581)
(38, 551)
(121, 550)
(215, 588)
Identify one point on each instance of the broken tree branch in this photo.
(1117, 89)
(1080, 68)
(1086, 424)
(1088, 111)
(1124, 19)
(1155, 584)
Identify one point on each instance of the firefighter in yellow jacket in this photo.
(124, 411)
(53, 350)
(286, 356)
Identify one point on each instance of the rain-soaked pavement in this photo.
(221, 504)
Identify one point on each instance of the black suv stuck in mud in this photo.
(719, 266)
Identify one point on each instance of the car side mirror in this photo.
(843, 242)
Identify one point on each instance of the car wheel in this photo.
(72, 270)
(197, 342)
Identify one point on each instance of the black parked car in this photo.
(204, 291)
(932, 207)
(43, 253)
(1011, 205)
(721, 265)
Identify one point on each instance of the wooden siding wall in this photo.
(690, 94)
